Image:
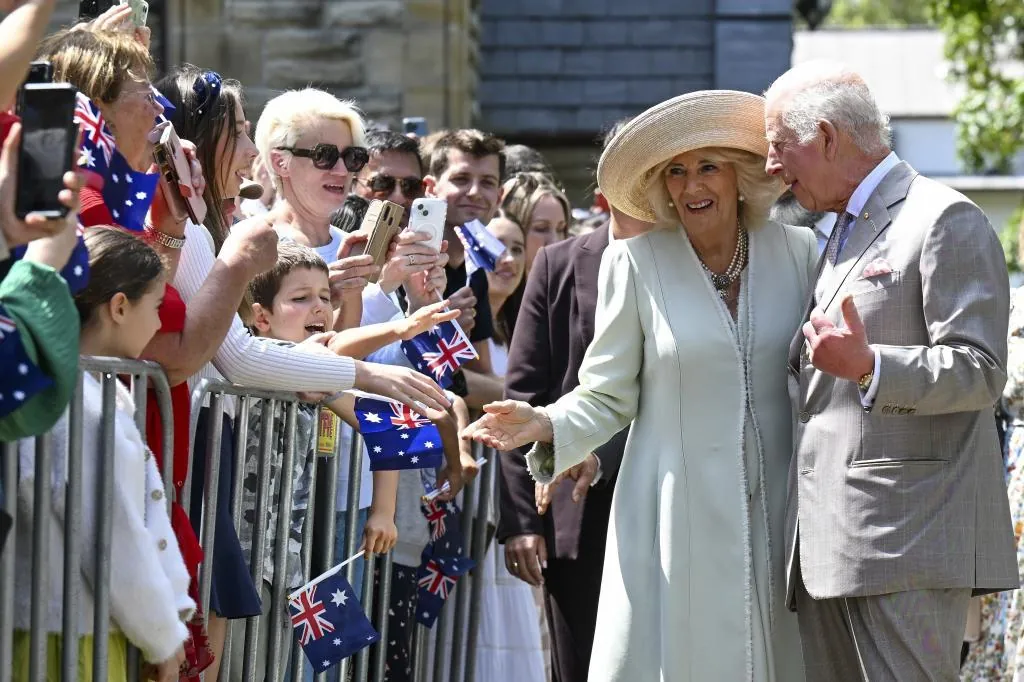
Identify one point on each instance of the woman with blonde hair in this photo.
(534, 201)
(692, 331)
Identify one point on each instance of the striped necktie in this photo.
(838, 235)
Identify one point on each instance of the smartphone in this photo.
(49, 140)
(416, 125)
(427, 215)
(90, 9)
(40, 72)
(381, 223)
(140, 11)
(170, 157)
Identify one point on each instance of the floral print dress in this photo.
(999, 653)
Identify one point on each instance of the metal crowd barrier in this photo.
(449, 651)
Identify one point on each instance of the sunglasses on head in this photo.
(325, 156)
(385, 184)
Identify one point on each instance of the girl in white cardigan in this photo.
(149, 602)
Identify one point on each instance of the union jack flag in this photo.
(448, 354)
(436, 513)
(435, 581)
(96, 137)
(333, 627)
(436, 578)
(404, 418)
(7, 326)
(308, 613)
(440, 352)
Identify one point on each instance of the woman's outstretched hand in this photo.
(510, 424)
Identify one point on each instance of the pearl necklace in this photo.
(723, 281)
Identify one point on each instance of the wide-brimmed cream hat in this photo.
(707, 118)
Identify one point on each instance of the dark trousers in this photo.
(572, 588)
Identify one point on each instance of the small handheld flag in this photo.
(440, 352)
(483, 249)
(329, 621)
(436, 579)
(396, 437)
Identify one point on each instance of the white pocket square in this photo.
(877, 267)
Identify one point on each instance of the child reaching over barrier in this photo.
(291, 303)
(149, 602)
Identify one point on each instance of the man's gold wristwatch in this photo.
(864, 383)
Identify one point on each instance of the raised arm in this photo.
(607, 397)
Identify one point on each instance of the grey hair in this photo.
(845, 101)
(757, 189)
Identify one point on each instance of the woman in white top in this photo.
(509, 645)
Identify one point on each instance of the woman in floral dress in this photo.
(999, 652)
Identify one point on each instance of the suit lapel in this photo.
(586, 266)
(872, 220)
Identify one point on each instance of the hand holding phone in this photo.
(48, 142)
(140, 11)
(380, 224)
(415, 125)
(176, 172)
(427, 216)
(16, 232)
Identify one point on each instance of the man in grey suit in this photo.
(897, 506)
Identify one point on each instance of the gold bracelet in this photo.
(164, 239)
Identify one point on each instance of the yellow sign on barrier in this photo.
(327, 440)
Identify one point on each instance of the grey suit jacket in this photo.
(908, 494)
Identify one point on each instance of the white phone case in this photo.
(428, 216)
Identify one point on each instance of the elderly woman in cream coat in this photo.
(693, 326)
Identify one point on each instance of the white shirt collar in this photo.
(825, 224)
(870, 183)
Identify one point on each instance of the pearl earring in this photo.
(671, 204)
(742, 198)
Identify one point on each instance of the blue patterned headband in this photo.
(207, 90)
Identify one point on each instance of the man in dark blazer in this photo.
(563, 549)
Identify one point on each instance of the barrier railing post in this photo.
(421, 653)
(72, 534)
(252, 623)
(104, 504)
(9, 462)
(487, 486)
(326, 540)
(240, 445)
(139, 395)
(472, 499)
(215, 427)
(308, 531)
(281, 537)
(362, 666)
(355, 474)
(40, 556)
(381, 659)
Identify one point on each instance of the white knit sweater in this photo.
(148, 579)
(249, 361)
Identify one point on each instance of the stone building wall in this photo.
(387, 55)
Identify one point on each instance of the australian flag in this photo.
(329, 622)
(482, 248)
(127, 193)
(444, 520)
(397, 437)
(436, 579)
(439, 352)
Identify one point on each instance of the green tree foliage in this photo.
(985, 49)
(878, 13)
